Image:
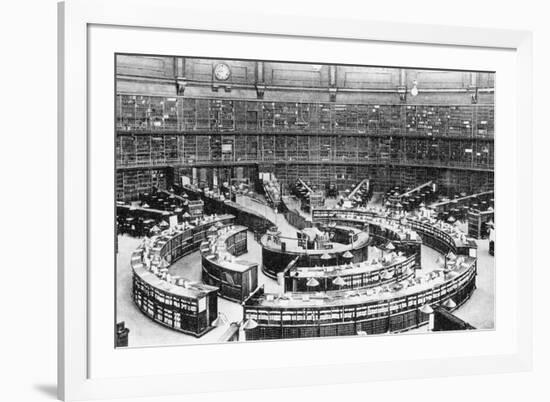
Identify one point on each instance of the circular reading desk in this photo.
(278, 252)
(399, 263)
(390, 303)
(174, 301)
(350, 276)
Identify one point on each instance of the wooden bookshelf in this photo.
(148, 149)
(355, 276)
(328, 311)
(477, 223)
(436, 234)
(342, 313)
(339, 143)
(162, 113)
(174, 302)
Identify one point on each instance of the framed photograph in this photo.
(287, 200)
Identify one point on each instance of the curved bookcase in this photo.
(173, 301)
(397, 305)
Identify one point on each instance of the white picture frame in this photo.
(76, 379)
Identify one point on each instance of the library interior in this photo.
(267, 200)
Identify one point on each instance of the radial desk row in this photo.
(215, 203)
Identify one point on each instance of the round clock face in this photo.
(222, 72)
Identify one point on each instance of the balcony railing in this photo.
(164, 162)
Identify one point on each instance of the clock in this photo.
(222, 72)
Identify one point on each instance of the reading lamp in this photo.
(249, 324)
(338, 281)
(312, 282)
(220, 320)
(450, 304)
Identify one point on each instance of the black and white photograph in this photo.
(271, 200)
(275, 201)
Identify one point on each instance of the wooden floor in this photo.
(478, 311)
